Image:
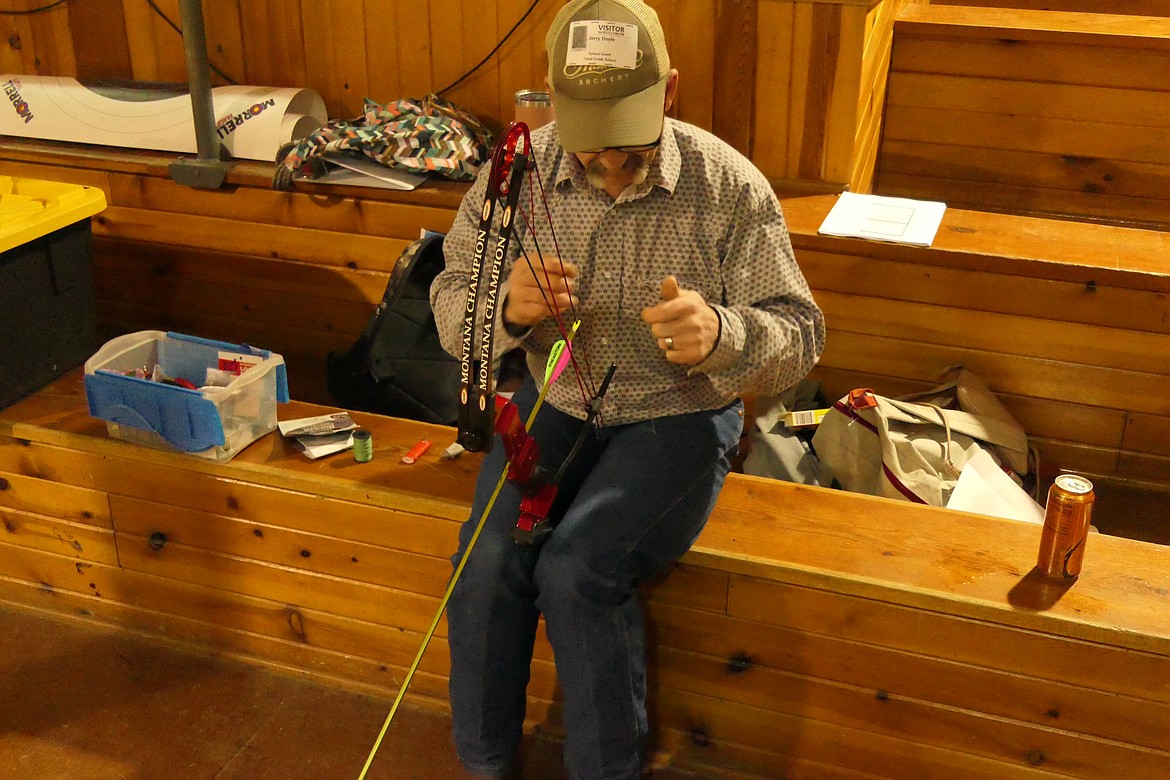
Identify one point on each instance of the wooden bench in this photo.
(1068, 322)
(1030, 112)
(809, 633)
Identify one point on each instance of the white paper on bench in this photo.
(898, 220)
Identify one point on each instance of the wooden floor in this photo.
(82, 702)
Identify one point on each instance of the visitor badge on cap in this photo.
(597, 42)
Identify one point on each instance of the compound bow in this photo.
(481, 412)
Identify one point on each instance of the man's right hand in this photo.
(531, 299)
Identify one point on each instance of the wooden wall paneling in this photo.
(231, 302)
(894, 716)
(289, 512)
(361, 288)
(1145, 433)
(427, 491)
(1028, 95)
(1143, 468)
(1088, 205)
(1089, 345)
(1145, 33)
(886, 544)
(930, 679)
(1057, 455)
(1070, 174)
(1070, 64)
(462, 32)
(775, 88)
(104, 56)
(1013, 374)
(878, 35)
(406, 53)
(50, 37)
(960, 288)
(929, 633)
(735, 58)
(805, 117)
(338, 211)
(717, 731)
(692, 36)
(842, 118)
(165, 477)
(521, 61)
(14, 31)
(80, 541)
(66, 502)
(384, 563)
(335, 59)
(689, 585)
(385, 59)
(1050, 418)
(274, 49)
(382, 605)
(289, 653)
(224, 37)
(156, 48)
(1021, 101)
(369, 253)
(1081, 138)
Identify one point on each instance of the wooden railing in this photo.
(1030, 112)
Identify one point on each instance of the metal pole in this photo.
(208, 170)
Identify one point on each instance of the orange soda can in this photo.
(1066, 526)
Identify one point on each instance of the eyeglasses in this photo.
(626, 149)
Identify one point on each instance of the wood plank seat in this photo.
(1069, 323)
(809, 633)
(1031, 111)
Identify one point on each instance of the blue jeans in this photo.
(634, 502)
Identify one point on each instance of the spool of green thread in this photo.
(363, 446)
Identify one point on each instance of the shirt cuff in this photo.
(728, 349)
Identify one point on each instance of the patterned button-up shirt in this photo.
(705, 215)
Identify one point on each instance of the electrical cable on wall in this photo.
(31, 11)
(491, 53)
(154, 7)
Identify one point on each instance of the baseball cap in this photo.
(607, 73)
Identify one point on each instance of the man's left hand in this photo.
(686, 327)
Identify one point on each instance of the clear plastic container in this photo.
(210, 422)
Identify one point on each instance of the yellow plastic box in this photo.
(46, 281)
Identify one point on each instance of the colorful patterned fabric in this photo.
(428, 136)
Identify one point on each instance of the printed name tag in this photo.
(610, 44)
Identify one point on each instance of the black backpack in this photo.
(397, 366)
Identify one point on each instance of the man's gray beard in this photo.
(595, 171)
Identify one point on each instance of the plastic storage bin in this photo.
(211, 422)
(46, 282)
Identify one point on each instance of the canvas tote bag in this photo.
(913, 450)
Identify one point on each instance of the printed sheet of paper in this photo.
(898, 220)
